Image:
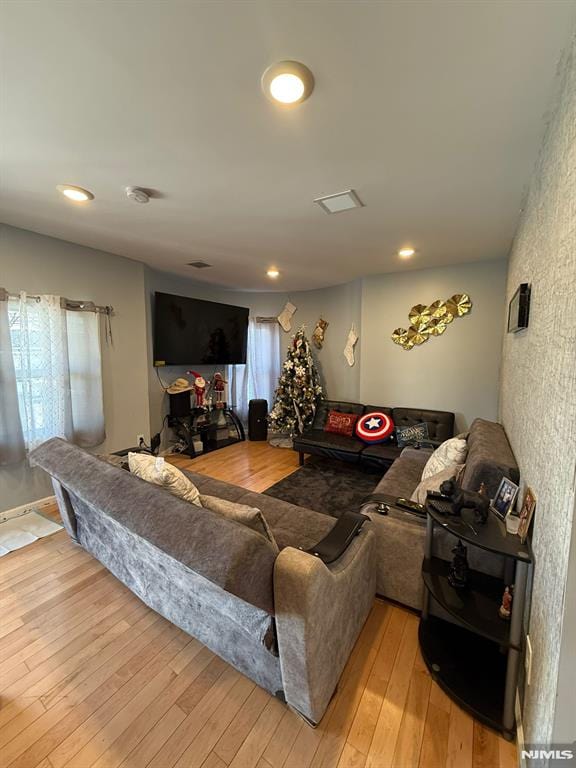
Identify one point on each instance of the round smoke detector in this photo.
(137, 194)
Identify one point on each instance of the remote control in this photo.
(411, 506)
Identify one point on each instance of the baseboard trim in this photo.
(519, 732)
(23, 509)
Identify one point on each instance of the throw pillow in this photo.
(434, 482)
(240, 513)
(452, 451)
(341, 423)
(374, 427)
(157, 471)
(418, 433)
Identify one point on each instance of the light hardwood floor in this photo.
(91, 677)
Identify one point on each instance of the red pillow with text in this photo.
(341, 423)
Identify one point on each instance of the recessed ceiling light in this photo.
(341, 201)
(288, 82)
(77, 194)
(405, 253)
(273, 273)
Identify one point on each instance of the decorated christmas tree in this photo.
(299, 389)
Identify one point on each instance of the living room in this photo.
(437, 296)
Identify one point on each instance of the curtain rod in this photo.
(70, 304)
(266, 319)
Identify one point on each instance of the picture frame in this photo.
(526, 513)
(504, 499)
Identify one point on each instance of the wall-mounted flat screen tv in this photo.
(519, 309)
(196, 332)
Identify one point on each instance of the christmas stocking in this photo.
(349, 348)
(318, 335)
(285, 317)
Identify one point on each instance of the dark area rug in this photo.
(327, 486)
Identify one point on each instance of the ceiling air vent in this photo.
(198, 264)
(341, 201)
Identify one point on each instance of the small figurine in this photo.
(458, 574)
(462, 499)
(199, 388)
(218, 383)
(505, 609)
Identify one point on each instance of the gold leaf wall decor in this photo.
(432, 320)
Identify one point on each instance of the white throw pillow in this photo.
(434, 482)
(451, 452)
(157, 471)
(240, 513)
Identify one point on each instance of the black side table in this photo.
(475, 657)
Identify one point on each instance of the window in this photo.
(259, 377)
(55, 371)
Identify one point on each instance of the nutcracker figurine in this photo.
(218, 383)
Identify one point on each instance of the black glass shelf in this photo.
(492, 536)
(467, 666)
(476, 606)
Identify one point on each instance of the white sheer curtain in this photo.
(52, 361)
(259, 377)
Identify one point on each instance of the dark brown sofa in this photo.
(317, 442)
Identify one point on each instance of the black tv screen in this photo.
(195, 332)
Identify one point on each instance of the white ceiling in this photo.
(432, 111)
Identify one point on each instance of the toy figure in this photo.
(505, 610)
(218, 383)
(462, 499)
(199, 388)
(458, 573)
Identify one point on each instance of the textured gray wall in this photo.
(538, 393)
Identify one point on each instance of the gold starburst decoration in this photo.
(419, 316)
(399, 336)
(459, 304)
(432, 320)
(416, 335)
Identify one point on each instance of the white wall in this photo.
(457, 371)
(40, 264)
(538, 406)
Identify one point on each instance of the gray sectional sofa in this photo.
(400, 535)
(285, 619)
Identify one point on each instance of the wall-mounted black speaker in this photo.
(258, 420)
(180, 404)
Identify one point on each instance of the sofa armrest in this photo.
(333, 546)
(320, 610)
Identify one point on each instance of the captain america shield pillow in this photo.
(375, 427)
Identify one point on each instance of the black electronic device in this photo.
(195, 332)
(180, 404)
(258, 420)
(519, 309)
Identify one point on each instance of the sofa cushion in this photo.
(154, 469)
(403, 476)
(384, 453)
(240, 513)
(440, 423)
(490, 457)
(292, 526)
(327, 440)
(374, 427)
(433, 482)
(324, 406)
(413, 435)
(451, 452)
(339, 423)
